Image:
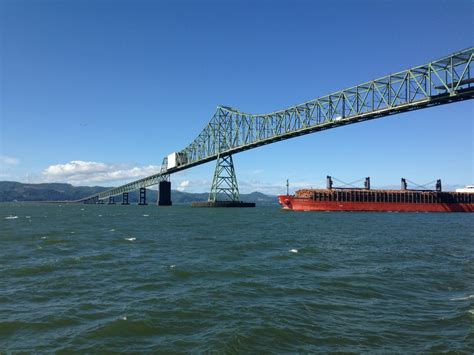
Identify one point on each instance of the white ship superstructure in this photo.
(468, 188)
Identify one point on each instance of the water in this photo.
(158, 279)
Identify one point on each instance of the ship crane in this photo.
(423, 187)
(347, 185)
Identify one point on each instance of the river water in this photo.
(133, 278)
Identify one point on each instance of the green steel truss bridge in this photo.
(443, 81)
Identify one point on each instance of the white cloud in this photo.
(4, 160)
(182, 186)
(79, 172)
(190, 185)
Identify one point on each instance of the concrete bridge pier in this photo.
(164, 194)
(125, 198)
(142, 199)
(111, 200)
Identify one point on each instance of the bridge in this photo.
(230, 131)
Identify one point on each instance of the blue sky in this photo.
(98, 92)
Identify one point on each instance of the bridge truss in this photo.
(446, 80)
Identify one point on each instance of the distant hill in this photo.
(16, 191)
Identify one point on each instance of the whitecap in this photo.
(43, 237)
(146, 215)
(11, 217)
(100, 215)
(73, 232)
(112, 230)
(82, 209)
(172, 266)
(293, 250)
(462, 298)
(124, 318)
(27, 216)
(131, 239)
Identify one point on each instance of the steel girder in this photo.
(230, 131)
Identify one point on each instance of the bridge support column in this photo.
(164, 194)
(142, 197)
(224, 189)
(111, 200)
(125, 198)
(224, 184)
(100, 202)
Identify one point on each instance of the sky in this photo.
(98, 92)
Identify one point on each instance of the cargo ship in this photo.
(367, 200)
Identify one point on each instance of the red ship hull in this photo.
(308, 204)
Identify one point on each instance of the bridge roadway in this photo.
(443, 81)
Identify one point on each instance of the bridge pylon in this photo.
(164, 192)
(164, 185)
(224, 184)
(224, 189)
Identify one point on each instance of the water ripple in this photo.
(148, 279)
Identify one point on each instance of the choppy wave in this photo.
(237, 281)
(463, 298)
